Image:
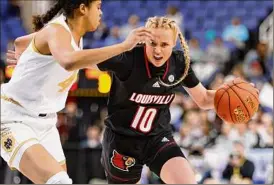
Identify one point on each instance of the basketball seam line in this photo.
(220, 98)
(225, 91)
(234, 84)
(241, 101)
(247, 91)
(229, 107)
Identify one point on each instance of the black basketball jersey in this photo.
(138, 104)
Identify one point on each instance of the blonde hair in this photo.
(166, 23)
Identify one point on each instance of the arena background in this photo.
(207, 141)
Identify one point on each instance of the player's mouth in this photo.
(157, 58)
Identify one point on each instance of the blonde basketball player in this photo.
(39, 87)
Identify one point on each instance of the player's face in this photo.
(159, 50)
(94, 15)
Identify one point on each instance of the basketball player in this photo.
(39, 87)
(138, 129)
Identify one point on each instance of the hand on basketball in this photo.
(239, 80)
(138, 35)
(257, 90)
(236, 101)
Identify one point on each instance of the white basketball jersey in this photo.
(39, 83)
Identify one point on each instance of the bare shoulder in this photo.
(52, 33)
(54, 30)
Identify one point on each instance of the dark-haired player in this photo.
(39, 86)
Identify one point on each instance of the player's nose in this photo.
(157, 50)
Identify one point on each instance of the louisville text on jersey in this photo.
(151, 99)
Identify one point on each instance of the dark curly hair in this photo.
(65, 6)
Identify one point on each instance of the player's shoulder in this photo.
(56, 28)
(138, 49)
(52, 31)
(136, 53)
(178, 55)
(177, 52)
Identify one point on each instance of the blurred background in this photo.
(227, 39)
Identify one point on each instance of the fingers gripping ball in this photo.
(236, 102)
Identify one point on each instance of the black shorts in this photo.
(123, 157)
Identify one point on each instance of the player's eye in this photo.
(153, 44)
(164, 45)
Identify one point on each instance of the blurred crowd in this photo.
(219, 152)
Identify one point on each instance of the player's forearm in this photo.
(208, 100)
(91, 57)
(202, 97)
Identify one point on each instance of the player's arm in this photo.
(121, 64)
(58, 40)
(202, 96)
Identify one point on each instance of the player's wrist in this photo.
(124, 46)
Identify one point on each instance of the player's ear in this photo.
(83, 9)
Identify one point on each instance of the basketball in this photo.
(236, 101)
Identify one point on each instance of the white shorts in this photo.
(21, 129)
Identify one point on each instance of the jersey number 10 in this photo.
(143, 119)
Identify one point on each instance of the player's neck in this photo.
(77, 28)
(157, 71)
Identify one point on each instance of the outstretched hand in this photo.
(138, 35)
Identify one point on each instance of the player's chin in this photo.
(158, 63)
(94, 28)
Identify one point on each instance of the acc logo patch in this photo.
(171, 78)
(122, 162)
(8, 142)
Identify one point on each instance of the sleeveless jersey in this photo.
(39, 83)
(138, 104)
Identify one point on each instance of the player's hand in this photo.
(12, 58)
(257, 90)
(138, 35)
(238, 79)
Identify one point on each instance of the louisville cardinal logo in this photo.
(122, 162)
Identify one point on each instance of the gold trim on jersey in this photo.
(17, 149)
(55, 23)
(10, 100)
(34, 47)
(68, 82)
(62, 162)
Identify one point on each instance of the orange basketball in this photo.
(236, 102)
